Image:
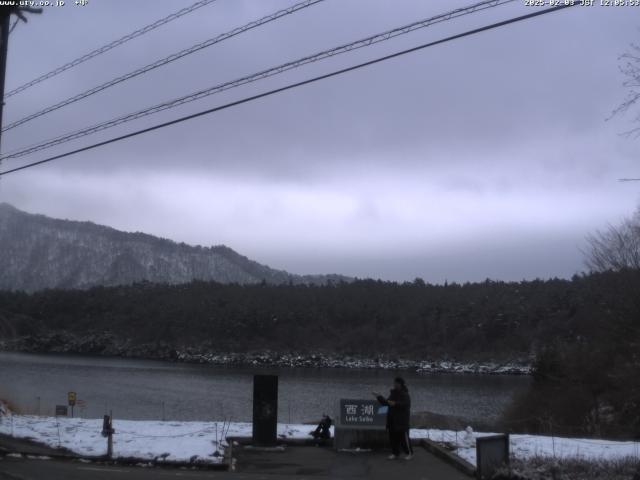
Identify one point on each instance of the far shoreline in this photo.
(268, 359)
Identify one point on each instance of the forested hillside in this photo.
(474, 320)
(40, 252)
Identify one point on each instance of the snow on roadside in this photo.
(198, 441)
(528, 446)
(147, 440)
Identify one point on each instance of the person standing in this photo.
(398, 418)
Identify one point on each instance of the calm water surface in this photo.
(146, 389)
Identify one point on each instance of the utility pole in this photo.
(5, 25)
(4, 38)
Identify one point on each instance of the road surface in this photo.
(299, 463)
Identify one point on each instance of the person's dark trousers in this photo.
(399, 440)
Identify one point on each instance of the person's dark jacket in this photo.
(399, 414)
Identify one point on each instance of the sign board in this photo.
(362, 413)
(491, 453)
(61, 411)
(71, 396)
(81, 403)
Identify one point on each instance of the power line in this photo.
(109, 46)
(15, 22)
(365, 42)
(292, 86)
(166, 60)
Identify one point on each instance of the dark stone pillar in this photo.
(265, 409)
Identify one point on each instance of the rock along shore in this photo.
(108, 345)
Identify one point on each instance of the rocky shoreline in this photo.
(108, 345)
(295, 360)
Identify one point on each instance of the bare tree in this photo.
(617, 247)
(630, 68)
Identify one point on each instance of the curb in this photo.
(448, 457)
(292, 442)
(130, 461)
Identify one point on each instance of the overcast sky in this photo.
(485, 157)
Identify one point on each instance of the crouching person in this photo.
(323, 430)
(398, 418)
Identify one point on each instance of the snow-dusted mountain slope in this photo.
(38, 252)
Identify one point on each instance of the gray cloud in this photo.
(485, 157)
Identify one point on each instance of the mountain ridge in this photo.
(40, 252)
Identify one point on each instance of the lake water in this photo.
(146, 389)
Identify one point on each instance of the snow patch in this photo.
(530, 446)
(171, 441)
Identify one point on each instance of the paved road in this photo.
(12, 444)
(299, 463)
(316, 463)
(35, 469)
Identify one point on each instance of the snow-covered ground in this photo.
(148, 440)
(198, 441)
(527, 446)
